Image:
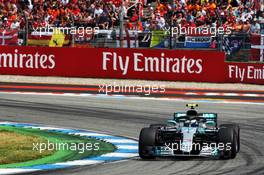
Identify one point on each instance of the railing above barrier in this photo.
(237, 46)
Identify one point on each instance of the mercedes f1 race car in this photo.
(190, 134)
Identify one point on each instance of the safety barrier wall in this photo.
(158, 64)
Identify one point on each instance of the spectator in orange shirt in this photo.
(212, 5)
(161, 9)
(238, 26)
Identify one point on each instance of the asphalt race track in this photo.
(124, 116)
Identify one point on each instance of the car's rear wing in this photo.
(210, 117)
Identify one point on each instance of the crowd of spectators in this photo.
(59, 13)
(241, 15)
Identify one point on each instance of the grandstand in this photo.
(136, 23)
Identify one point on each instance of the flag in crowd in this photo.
(232, 44)
(9, 37)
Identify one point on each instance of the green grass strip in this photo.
(60, 155)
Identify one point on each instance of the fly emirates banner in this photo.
(146, 64)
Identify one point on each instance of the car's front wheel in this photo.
(146, 143)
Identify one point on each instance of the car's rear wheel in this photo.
(228, 137)
(146, 143)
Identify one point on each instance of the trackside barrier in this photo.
(257, 47)
(172, 65)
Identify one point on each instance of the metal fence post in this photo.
(25, 36)
(171, 24)
(73, 39)
(3, 36)
(221, 38)
(121, 25)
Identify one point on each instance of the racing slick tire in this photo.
(237, 132)
(228, 137)
(146, 143)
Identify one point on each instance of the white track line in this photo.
(127, 147)
(90, 134)
(17, 170)
(212, 94)
(80, 162)
(120, 141)
(120, 155)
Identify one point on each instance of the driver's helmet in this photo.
(191, 113)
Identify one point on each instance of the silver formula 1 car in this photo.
(190, 134)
